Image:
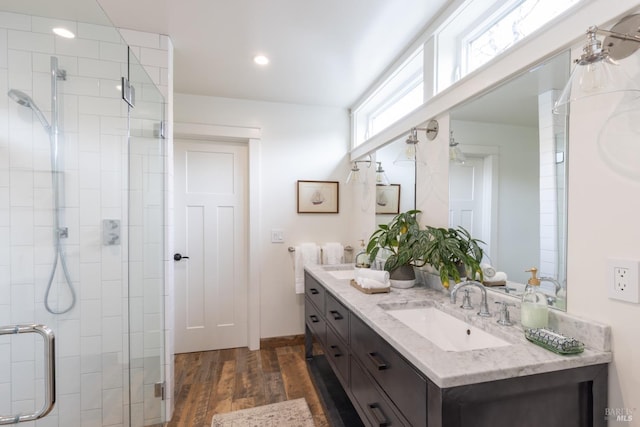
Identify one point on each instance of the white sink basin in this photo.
(342, 274)
(446, 331)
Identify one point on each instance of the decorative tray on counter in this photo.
(370, 290)
(553, 341)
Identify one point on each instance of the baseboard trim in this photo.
(275, 342)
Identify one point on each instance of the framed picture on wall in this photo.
(388, 199)
(318, 197)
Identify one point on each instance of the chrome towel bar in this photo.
(49, 370)
(346, 249)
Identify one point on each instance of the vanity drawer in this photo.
(337, 354)
(402, 383)
(314, 291)
(377, 410)
(337, 315)
(315, 321)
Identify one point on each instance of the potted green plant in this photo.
(454, 253)
(404, 243)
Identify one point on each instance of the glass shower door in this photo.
(146, 243)
(62, 145)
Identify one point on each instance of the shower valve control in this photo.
(63, 232)
(110, 232)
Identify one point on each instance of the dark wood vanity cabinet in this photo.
(398, 378)
(386, 390)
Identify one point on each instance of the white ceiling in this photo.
(322, 52)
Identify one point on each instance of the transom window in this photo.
(507, 27)
(401, 93)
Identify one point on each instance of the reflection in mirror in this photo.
(400, 195)
(510, 189)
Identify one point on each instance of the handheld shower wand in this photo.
(56, 181)
(25, 100)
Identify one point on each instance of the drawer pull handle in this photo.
(314, 318)
(314, 291)
(378, 415)
(337, 352)
(336, 315)
(380, 364)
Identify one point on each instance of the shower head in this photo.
(26, 101)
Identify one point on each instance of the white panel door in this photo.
(211, 230)
(465, 195)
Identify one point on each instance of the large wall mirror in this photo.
(509, 185)
(400, 195)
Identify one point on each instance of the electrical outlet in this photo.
(622, 280)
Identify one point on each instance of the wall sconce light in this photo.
(597, 70)
(455, 153)
(381, 176)
(408, 155)
(354, 174)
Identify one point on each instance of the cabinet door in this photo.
(315, 321)
(377, 410)
(314, 291)
(402, 383)
(337, 315)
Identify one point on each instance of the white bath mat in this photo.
(290, 413)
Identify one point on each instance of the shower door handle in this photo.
(49, 370)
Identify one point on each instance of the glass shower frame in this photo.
(110, 346)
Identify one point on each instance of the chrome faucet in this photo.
(484, 308)
(552, 280)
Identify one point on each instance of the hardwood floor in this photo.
(227, 380)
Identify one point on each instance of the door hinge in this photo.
(160, 390)
(160, 129)
(128, 92)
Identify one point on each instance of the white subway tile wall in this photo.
(97, 356)
(551, 207)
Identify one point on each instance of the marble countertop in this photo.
(450, 369)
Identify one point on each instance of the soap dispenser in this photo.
(362, 257)
(534, 311)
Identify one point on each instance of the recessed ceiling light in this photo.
(63, 32)
(261, 60)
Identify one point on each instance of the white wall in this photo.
(604, 222)
(298, 142)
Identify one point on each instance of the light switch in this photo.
(277, 236)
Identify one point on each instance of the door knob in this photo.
(178, 257)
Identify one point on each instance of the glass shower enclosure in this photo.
(81, 222)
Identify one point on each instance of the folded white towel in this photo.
(381, 276)
(487, 270)
(500, 276)
(305, 254)
(310, 253)
(332, 253)
(366, 283)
